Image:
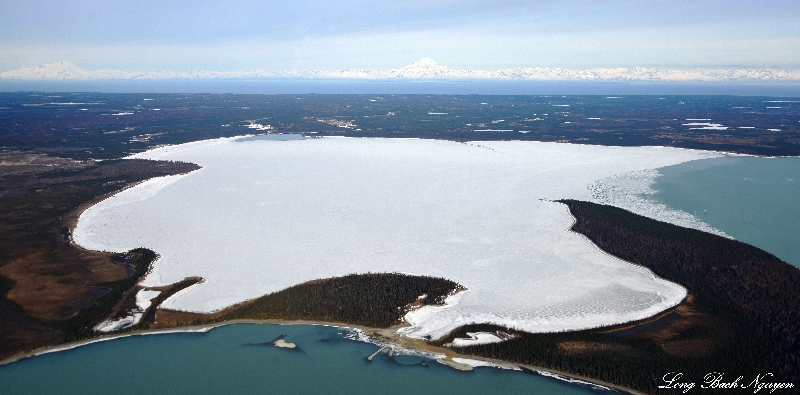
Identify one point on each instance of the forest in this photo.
(377, 300)
(109, 126)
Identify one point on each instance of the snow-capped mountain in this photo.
(423, 69)
(54, 71)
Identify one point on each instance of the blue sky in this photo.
(348, 34)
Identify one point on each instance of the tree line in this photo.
(372, 299)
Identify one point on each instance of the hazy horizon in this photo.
(366, 34)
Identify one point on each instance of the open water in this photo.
(755, 200)
(240, 359)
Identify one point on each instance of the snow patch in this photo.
(143, 301)
(706, 126)
(476, 363)
(476, 338)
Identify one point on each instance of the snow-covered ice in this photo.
(143, 301)
(476, 338)
(144, 298)
(263, 215)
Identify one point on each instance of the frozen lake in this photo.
(263, 215)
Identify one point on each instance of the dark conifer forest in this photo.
(377, 300)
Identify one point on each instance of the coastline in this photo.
(391, 336)
(378, 335)
(383, 335)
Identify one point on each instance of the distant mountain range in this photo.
(423, 69)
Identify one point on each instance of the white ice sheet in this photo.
(264, 215)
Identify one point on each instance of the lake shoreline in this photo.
(390, 258)
(379, 335)
(382, 335)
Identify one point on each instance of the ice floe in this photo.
(633, 191)
(264, 215)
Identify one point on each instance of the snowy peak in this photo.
(425, 64)
(53, 71)
(423, 68)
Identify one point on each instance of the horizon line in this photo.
(423, 70)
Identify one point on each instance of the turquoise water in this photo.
(239, 359)
(754, 200)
